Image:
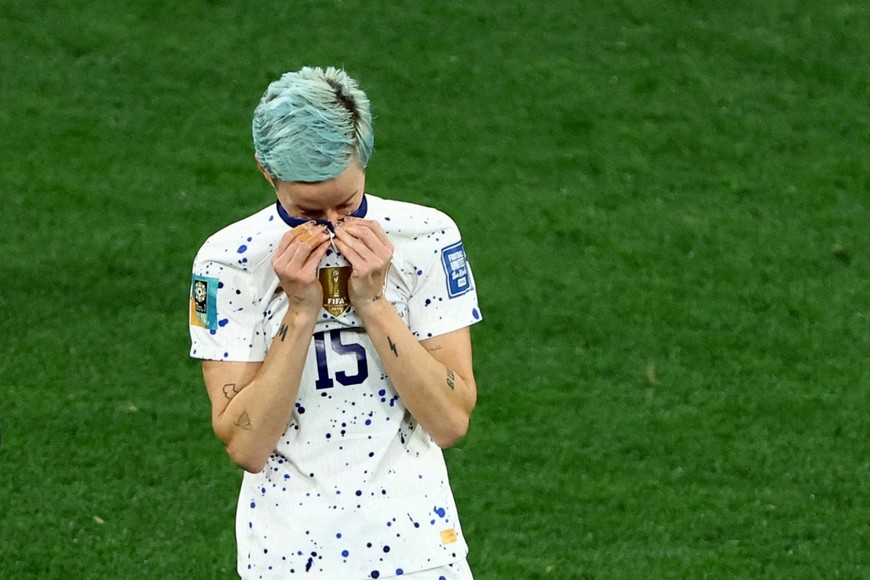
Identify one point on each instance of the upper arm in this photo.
(453, 350)
(223, 381)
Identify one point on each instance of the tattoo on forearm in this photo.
(282, 332)
(378, 297)
(230, 390)
(244, 422)
(393, 346)
(451, 379)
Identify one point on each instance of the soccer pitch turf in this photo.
(665, 205)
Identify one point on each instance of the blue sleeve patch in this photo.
(203, 302)
(456, 268)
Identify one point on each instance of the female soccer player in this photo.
(333, 328)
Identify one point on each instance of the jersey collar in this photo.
(295, 221)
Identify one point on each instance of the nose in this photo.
(332, 215)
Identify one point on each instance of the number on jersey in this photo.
(339, 349)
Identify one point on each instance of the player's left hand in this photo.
(368, 250)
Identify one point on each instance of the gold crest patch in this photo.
(334, 283)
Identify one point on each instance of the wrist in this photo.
(301, 316)
(372, 306)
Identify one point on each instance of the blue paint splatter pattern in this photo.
(355, 488)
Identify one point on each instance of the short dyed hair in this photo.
(311, 124)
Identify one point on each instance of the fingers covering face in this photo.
(363, 238)
(300, 244)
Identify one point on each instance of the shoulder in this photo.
(410, 220)
(244, 244)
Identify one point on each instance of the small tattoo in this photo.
(451, 379)
(282, 332)
(434, 348)
(393, 346)
(244, 422)
(378, 297)
(230, 390)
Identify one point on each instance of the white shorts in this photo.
(457, 570)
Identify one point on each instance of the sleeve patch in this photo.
(453, 260)
(203, 302)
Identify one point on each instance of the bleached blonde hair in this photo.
(311, 124)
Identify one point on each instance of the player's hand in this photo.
(296, 261)
(368, 250)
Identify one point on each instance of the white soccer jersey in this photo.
(355, 488)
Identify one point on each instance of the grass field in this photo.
(666, 205)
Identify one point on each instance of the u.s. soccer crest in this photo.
(334, 282)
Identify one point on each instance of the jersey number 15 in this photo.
(324, 381)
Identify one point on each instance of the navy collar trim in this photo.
(295, 221)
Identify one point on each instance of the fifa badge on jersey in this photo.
(203, 302)
(334, 282)
(456, 268)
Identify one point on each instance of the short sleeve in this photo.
(444, 297)
(226, 319)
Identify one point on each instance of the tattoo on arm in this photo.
(230, 390)
(451, 379)
(393, 346)
(282, 332)
(244, 422)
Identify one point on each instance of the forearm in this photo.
(441, 399)
(258, 413)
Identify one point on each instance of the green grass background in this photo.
(666, 204)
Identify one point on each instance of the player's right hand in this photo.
(295, 262)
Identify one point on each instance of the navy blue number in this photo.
(362, 365)
(323, 379)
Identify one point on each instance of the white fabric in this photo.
(355, 488)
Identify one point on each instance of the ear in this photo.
(265, 173)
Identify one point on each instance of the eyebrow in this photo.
(345, 202)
